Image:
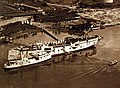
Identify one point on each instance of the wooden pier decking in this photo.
(46, 31)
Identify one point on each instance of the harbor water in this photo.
(93, 72)
(83, 72)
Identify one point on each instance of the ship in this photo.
(24, 58)
(68, 45)
(40, 52)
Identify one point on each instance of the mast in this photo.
(21, 52)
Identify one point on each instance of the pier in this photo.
(46, 30)
(50, 34)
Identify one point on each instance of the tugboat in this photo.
(25, 58)
(39, 52)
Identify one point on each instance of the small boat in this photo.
(114, 62)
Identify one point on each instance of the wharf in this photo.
(46, 31)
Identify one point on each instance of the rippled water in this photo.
(70, 74)
(83, 73)
(93, 73)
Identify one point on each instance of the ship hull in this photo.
(80, 45)
(17, 67)
(53, 51)
(20, 63)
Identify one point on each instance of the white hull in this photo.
(79, 45)
(26, 62)
(49, 50)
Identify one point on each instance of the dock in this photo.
(51, 34)
(46, 31)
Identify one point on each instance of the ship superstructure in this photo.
(39, 52)
(26, 57)
(68, 45)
